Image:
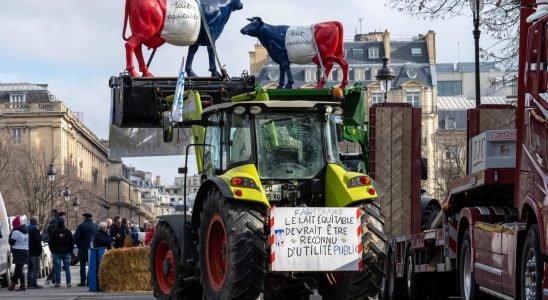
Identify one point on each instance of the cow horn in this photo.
(254, 19)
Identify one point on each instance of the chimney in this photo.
(430, 39)
(386, 43)
(257, 59)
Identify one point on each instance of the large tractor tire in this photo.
(531, 266)
(369, 282)
(232, 248)
(429, 215)
(167, 273)
(279, 287)
(469, 289)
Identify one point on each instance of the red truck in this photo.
(491, 235)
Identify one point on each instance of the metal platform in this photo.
(139, 102)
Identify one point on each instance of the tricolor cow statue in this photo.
(321, 43)
(177, 22)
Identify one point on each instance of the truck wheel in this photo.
(167, 274)
(232, 248)
(393, 289)
(368, 282)
(413, 286)
(430, 213)
(468, 287)
(531, 267)
(280, 287)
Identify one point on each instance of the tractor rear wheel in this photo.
(232, 248)
(368, 282)
(167, 273)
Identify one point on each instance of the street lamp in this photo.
(477, 6)
(66, 194)
(51, 178)
(76, 206)
(385, 76)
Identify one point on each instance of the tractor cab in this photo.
(289, 144)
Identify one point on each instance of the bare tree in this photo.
(499, 19)
(451, 164)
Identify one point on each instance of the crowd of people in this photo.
(26, 245)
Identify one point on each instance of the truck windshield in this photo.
(289, 146)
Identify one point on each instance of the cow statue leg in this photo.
(328, 65)
(281, 80)
(190, 57)
(287, 69)
(132, 43)
(140, 59)
(344, 66)
(212, 67)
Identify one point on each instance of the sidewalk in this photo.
(75, 292)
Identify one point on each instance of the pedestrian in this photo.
(19, 242)
(52, 225)
(145, 227)
(61, 244)
(84, 235)
(126, 233)
(102, 240)
(150, 234)
(35, 250)
(134, 234)
(116, 232)
(109, 223)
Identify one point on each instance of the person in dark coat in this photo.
(84, 235)
(102, 240)
(46, 234)
(35, 250)
(19, 242)
(61, 244)
(116, 232)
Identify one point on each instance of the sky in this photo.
(74, 46)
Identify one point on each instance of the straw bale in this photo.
(125, 270)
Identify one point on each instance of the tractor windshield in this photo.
(289, 146)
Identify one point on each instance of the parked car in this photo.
(5, 255)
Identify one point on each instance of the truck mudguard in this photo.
(182, 234)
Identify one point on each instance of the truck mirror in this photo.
(424, 168)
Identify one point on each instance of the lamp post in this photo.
(477, 6)
(76, 206)
(66, 195)
(385, 76)
(51, 178)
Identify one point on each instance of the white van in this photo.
(5, 256)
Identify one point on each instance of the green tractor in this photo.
(266, 156)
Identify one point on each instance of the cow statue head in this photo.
(253, 28)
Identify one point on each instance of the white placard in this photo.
(299, 44)
(182, 22)
(315, 239)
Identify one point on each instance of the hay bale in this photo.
(125, 270)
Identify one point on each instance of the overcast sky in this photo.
(76, 45)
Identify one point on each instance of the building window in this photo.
(16, 135)
(450, 88)
(17, 98)
(451, 152)
(358, 74)
(172, 199)
(450, 123)
(335, 74)
(376, 98)
(416, 51)
(413, 98)
(357, 52)
(373, 52)
(310, 75)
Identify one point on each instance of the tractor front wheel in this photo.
(232, 248)
(167, 273)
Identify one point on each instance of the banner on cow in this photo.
(182, 22)
(315, 239)
(300, 44)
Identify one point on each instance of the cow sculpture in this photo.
(320, 43)
(154, 22)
